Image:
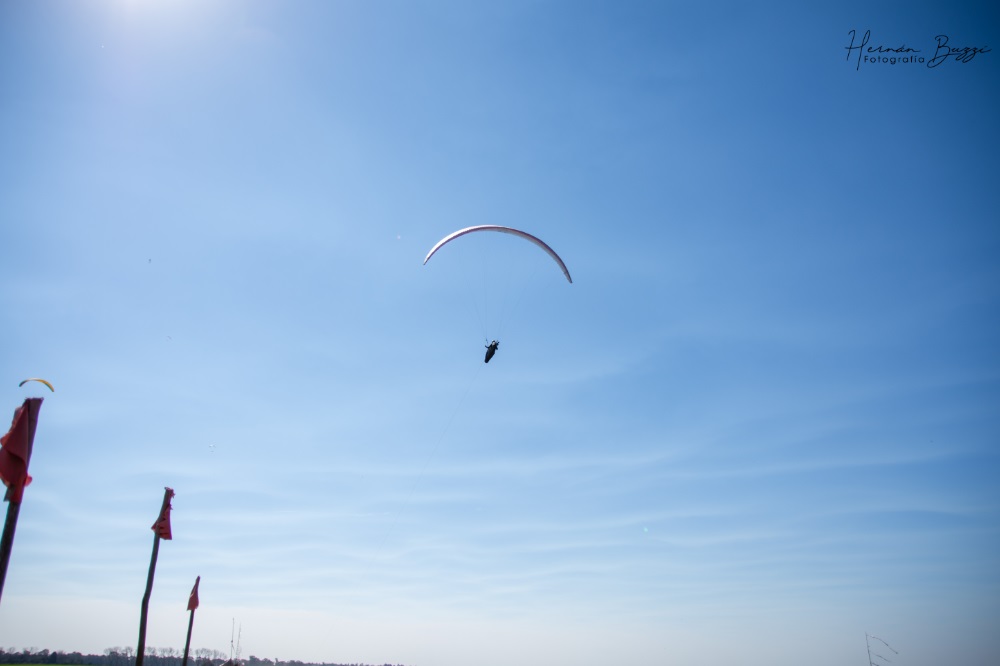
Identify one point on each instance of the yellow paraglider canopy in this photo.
(37, 379)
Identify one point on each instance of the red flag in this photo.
(162, 524)
(193, 599)
(15, 449)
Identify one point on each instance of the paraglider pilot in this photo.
(491, 349)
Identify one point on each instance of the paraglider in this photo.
(492, 347)
(490, 350)
(39, 380)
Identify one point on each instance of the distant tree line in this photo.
(125, 656)
(115, 656)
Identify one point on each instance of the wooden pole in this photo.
(187, 643)
(140, 650)
(7, 540)
(192, 606)
(32, 405)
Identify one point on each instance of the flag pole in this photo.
(7, 540)
(20, 439)
(187, 643)
(158, 533)
(192, 605)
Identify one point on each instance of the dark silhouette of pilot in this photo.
(491, 349)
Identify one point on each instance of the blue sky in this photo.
(761, 422)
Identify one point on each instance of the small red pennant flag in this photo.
(162, 524)
(15, 449)
(193, 599)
